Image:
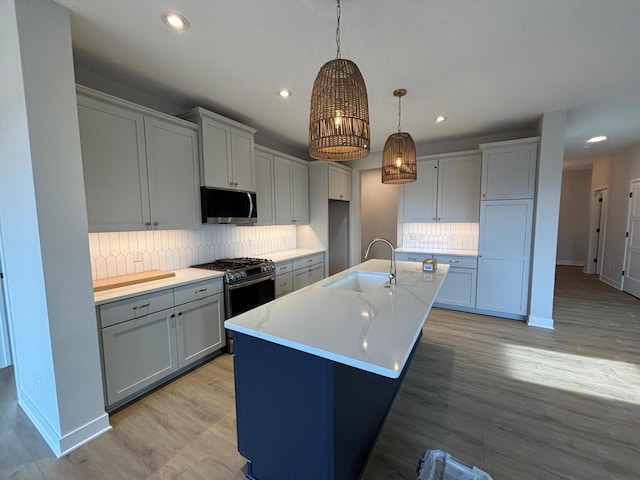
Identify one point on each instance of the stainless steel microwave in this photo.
(228, 206)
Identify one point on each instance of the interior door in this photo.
(632, 259)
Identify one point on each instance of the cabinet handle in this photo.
(294, 221)
(135, 307)
(201, 290)
(173, 315)
(438, 218)
(454, 261)
(484, 195)
(179, 314)
(147, 224)
(283, 284)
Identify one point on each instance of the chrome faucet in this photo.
(392, 270)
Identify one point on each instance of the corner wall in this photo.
(44, 228)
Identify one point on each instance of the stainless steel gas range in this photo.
(248, 283)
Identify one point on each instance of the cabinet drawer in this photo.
(122, 310)
(308, 261)
(412, 257)
(197, 290)
(284, 267)
(284, 284)
(457, 262)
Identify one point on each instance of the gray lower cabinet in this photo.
(199, 329)
(459, 288)
(138, 353)
(308, 270)
(142, 347)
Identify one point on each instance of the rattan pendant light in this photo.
(339, 116)
(399, 154)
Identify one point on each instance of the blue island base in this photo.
(303, 416)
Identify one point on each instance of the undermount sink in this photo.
(360, 281)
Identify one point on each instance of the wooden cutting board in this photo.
(132, 279)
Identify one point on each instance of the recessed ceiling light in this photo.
(440, 118)
(284, 93)
(175, 20)
(597, 139)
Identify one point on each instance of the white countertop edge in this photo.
(351, 362)
(182, 276)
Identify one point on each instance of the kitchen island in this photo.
(316, 371)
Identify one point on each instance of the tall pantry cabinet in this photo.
(506, 222)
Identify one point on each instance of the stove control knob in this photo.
(231, 277)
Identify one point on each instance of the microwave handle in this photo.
(250, 204)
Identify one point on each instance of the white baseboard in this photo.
(617, 284)
(571, 263)
(540, 322)
(59, 444)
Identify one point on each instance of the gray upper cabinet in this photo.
(140, 166)
(265, 188)
(339, 183)
(291, 180)
(227, 151)
(447, 190)
(509, 169)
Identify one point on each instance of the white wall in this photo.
(575, 206)
(379, 213)
(545, 223)
(624, 167)
(45, 237)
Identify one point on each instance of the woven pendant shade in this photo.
(339, 117)
(399, 159)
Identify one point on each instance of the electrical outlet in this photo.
(137, 255)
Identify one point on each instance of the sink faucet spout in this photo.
(392, 269)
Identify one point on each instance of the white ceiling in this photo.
(490, 65)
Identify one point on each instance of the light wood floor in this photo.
(518, 402)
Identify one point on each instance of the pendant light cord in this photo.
(399, 111)
(338, 32)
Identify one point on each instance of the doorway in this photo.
(378, 213)
(631, 277)
(597, 229)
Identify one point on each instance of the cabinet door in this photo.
(300, 191)
(243, 165)
(504, 256)
(265, 188)
(509, 172)
(199, 329)
(334, 183)
(172, 162)
(459, 188)
(316, 273)
(114, 166)
(345, 186)
(301, 278)
(216, 154)
(339, 184)
(282, 173)
(419, 198)
(138, 353)
(284, 284)
(458, 288)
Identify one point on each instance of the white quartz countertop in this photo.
(373, 330)
(183, 276)
(441, 251)
(291, 254)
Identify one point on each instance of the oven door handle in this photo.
(244, 283)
